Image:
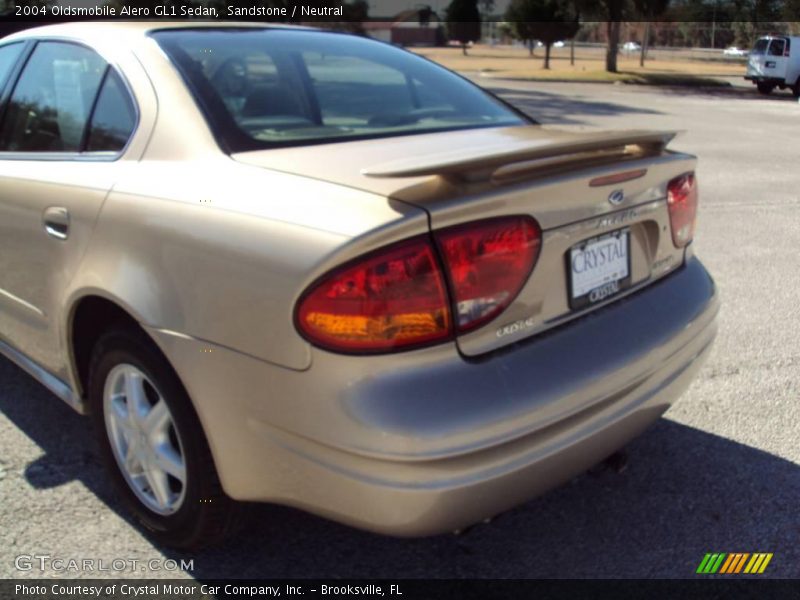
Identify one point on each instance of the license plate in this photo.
(599, 268)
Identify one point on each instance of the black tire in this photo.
(796, 89)
(206, 515)
(765, 88)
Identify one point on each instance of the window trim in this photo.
(80, 156)
(87, 130)
(7, 89)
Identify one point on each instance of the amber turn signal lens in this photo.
(390, 299)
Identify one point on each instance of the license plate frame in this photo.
(609, 284)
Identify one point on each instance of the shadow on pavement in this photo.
(65, 437)
(685, 492)
(553, 108)
(734, 92)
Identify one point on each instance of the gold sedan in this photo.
(285, 265)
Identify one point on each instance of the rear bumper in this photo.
(426, 442)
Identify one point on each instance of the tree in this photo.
(612, 12)
(487, 6)
(648, 10)
(615, 12)
(791, 11)
(424, 15)
(463, 22)
(546, 20)
(520, 28)
(356, 12)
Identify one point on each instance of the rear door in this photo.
(66, 122)
(777, 58)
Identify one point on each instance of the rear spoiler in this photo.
(527, 155)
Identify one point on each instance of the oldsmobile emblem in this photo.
(616, 197)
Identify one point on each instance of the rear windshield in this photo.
(761, 46)
(261, 88)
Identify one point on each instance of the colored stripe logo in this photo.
(734, 563)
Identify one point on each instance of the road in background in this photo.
(721, 472)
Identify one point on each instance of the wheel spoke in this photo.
(132, 460)
(157, 421)
(159, 486)
(135, 396)
(119, 410)
(120, 418)
(167, 459)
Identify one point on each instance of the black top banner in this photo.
(361, 11)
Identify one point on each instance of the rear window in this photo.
(261, 88)
(761, 46)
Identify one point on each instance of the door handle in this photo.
(56, 222)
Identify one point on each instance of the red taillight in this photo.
(396, 298)
(488, 262)
(390, 299)
(682, 204)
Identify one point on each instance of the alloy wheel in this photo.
(144, 439)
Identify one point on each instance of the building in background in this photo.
(409, 28)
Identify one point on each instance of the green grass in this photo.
(628, 77)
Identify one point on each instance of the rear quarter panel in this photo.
(221, 251)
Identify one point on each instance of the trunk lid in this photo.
(395, 167)
(580, 187)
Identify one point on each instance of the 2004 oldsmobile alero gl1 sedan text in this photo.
(293, 266)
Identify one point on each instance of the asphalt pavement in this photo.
(719, 473)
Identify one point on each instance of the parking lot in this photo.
(720, 472)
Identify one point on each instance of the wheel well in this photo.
(93, 317)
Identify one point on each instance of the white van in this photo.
(775, 62)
